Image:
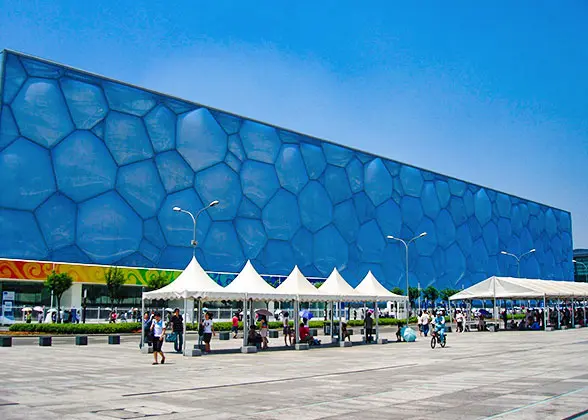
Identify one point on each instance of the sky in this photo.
(491, 92)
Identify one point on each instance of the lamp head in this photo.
(423, 234)
(213, 203)
(390, 237)
(574, 261)
(533, 250)
(504, 252)
(177, 208)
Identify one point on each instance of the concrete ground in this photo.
(506, 375)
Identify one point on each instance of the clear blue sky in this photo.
(495, 94)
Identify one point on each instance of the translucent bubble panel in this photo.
(83, 166)
(92, 169)
(108, 229)
(26, 174)
(41, 112)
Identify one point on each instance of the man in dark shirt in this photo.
(178, 328)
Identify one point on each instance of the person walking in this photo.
(177, 323)
(158, 333)
(368, 324)
(420, 323)
(208, 329)
(263, 330)
(147, 320)
(286, 328)
(425, 323)
(235, 326)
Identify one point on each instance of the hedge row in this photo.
(132, 327)
(120, 328)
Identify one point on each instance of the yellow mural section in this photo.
(81, 273)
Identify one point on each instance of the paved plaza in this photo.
(522, 375)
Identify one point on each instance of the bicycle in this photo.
(436, 338)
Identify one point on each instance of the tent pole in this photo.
(544, 312)
(184, 325)
(558, 314)
(143, 326)
(332, 305)
(341, 338)
(199, 318)
(376, 315)
(297, 319)
(584, 311)
(573, 314)
(245, 326)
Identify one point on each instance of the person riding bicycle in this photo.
(439, 323)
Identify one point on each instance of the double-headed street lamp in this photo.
(406, 244)
(585, 268)
(518, 259)
(195, 219)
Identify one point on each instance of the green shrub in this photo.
(78, 329)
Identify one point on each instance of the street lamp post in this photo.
(518, 259)
(585, 268)
(406, 244)
(194, 220)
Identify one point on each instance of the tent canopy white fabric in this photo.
(297, 285)
(337, 286)
(371, 287)
(517, 288)
(192, 283)
(249, 284)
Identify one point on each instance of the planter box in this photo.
(114, 339)
(5, 341)
(45, 341)
(224, 335)
(314, 332)
(274, 334)
(350, 331)
(81, 340)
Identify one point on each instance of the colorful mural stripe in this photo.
(91, 273)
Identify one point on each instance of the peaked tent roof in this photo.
(249, 284)
(298, 286)
(514, 288)
(192, 283)
(371, 287)
(336, 285)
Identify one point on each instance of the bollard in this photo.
(114, 339)
(81, 340)
(249, 349)
(5, 341)
(301, 346)
(45, 341)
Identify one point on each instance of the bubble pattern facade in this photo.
(91, 168)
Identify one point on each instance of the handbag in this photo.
(171, 337)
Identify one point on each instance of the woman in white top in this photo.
(208, 331)
(158, 331)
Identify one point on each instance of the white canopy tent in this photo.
(372, 290)
(303, 290)
(517, 288)
(250, 286)
(193, 283)
(337, 286)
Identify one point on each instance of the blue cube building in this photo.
(91, 168)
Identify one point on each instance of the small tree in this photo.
(58, 283)
(446, 293)
(157, 281)
(431, 294)
(398, 291)
(115, 280)
(413, 294)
